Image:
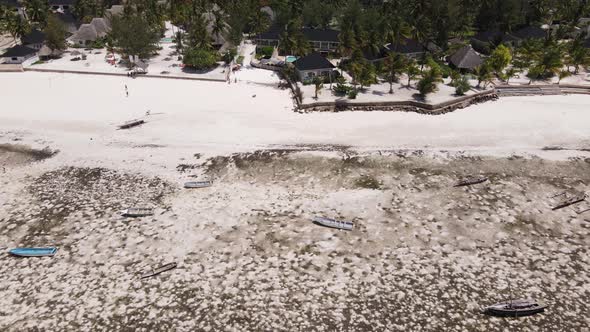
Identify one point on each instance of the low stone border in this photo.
(43, 70)
(541, 90)
(402, 106)
(10, 68)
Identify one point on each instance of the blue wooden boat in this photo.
(33, 252)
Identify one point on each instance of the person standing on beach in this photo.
(126, 91)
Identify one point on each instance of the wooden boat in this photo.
(131, 124)
(159, 270)
(345, 225)
(198, 184)
(137, 212)
(570, 201)
(34, 252)
(515, 308)
(471, 181)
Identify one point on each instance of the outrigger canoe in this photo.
(159, 270)
(515, 308)
(137, 212)
(34, 252)
(345, 225)
(198, 184)
(570, 201)
(471, 181)
(131, 124)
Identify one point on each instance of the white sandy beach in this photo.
(67, 111)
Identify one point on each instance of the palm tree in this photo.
(178, 38)
(428, 83)
(455, 76)
(484, 75)
(412, 71)
(579, 55)
(37, 11)
(16, 26)
(394, 64)
(319, 85)
(395, 28)
(462, 85)
(355, 71)
(218, 26)
(563, 74)
(292, 39)
(510, 73)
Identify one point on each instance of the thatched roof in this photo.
(466, 58)
(115, 10)
(101, 26)
(86, 32)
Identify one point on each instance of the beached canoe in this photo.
(159, 270)
(33, 252)
(515, 308)
(471, 181)
(570, 201)
(345, 225)
(137, 212)
(131, 124)
(198, 184)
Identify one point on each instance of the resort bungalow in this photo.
(485, 41)
(34, 39)
(89, 33)
(321, 40)
(86, 35)
(466, 59)
(18, 54)
(407, 46)
(313, 65)
(528, 33)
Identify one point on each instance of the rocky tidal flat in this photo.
(423, 256)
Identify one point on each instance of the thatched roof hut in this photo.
(101, 26)
(85, 35)
(466, 58)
